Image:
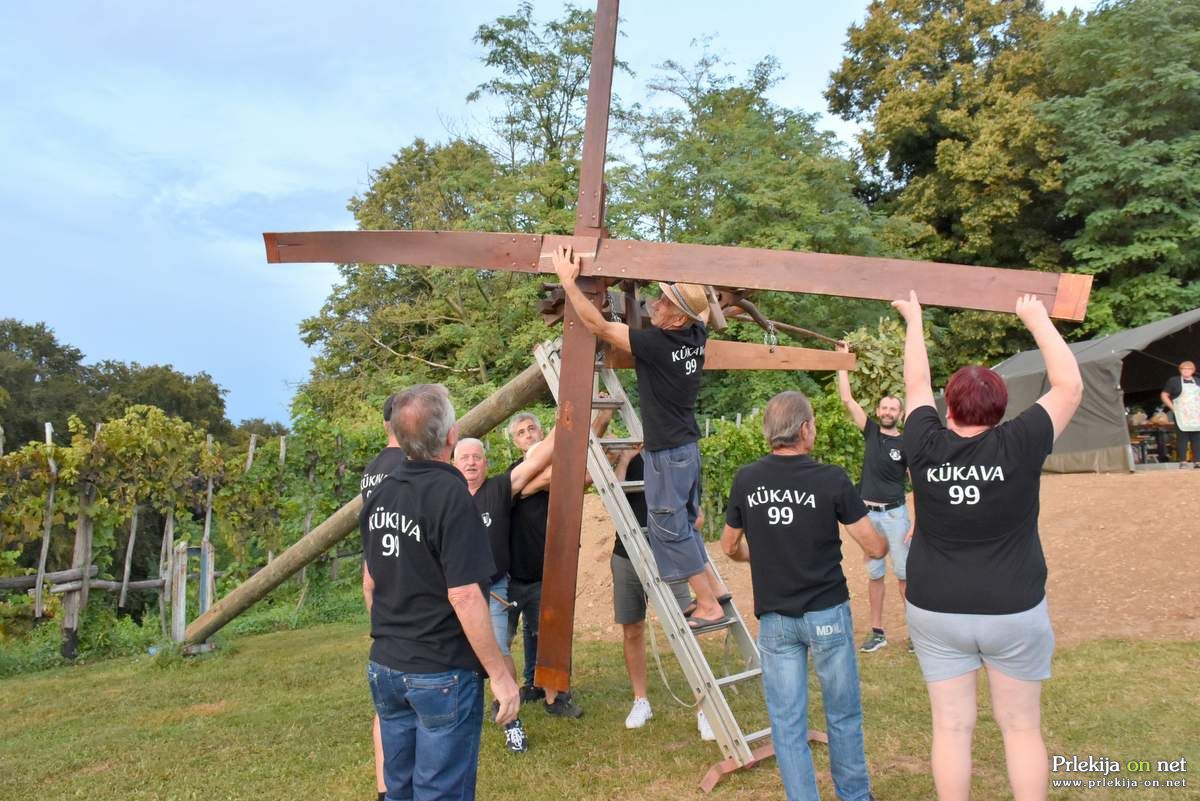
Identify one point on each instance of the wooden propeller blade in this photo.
(957, 285)
(725, 354)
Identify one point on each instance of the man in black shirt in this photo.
(1182, 396)
(783, 518)
(384, 463)
(425, 556)
(494, 498)
(882, 490)
(669, 357)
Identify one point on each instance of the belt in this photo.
(883, 507)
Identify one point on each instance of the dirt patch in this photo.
(1120, 550)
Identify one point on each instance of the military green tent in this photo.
(1120, 371)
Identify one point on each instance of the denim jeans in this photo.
(430, 725)
(527, 595)
(499, 613)
(892, 524)
(673, 503)
(785, 643)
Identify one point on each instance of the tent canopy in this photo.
(1127, 368)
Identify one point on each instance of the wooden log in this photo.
(47, 524)
(179, 591)
(250, 452)
(128, 558)
(111, 586)
(53, 577)
(523, 390)
(726, 354)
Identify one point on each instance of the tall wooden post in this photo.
(179, 571)
(128, 558)
(164, 567)
(556, 628)
(81, 558)
(47, 524)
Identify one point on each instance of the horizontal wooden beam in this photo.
(956, 285)
(724, 354)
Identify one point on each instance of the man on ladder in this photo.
(669, 356)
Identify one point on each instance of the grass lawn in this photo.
(287, 716)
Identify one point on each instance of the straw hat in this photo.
(690, 299)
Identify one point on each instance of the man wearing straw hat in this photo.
(669, 356)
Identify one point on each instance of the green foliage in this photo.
(838, 440)
(880, 356)
(726, 449)
(1127, 111)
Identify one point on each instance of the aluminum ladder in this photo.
(736, 746)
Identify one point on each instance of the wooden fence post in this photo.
(208, 579)
(250, 452)
(164, 568)
(128, 558)
(179, 571)
(49, 522)
(81, 559)
(1, 440)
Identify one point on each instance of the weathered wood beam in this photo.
(526, 388)
(937, 284)
(725, 354)
(57, 576)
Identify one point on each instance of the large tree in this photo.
(1126, 106)
(41, 381)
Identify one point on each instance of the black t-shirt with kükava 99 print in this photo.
(789, 508)
(384, 462)
(976, 548)
(422, 535)
(668, 364)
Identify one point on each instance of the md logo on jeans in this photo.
(828, 629)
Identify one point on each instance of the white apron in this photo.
(1187, 408)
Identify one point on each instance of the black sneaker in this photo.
(531, 693)
(563, 707)
(514, 737)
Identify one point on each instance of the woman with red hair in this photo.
(976, 573)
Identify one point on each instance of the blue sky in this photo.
(145, 146)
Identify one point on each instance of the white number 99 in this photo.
(968, 494)
(779, 514)
(391, 545)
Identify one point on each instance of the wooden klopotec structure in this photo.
(729, 271)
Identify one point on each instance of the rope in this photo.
(662, 672)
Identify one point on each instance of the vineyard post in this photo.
(179, 570)
(81, 559)
(49, 522)
(164, 567)
(128, 558)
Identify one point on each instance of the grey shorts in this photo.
(948, 644)
(629, 600)
(673, 503)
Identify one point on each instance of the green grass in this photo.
(287, 715)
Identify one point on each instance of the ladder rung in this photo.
(729, 621)
(736, 678)
(607, 403)
(633, 486)
(620, 443)
(758, 735)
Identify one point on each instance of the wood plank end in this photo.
(1071, 298)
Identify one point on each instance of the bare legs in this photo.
(1016, 706)
(380, 785)
(876, 590)
(634, 643)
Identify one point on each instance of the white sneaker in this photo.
(706, 732)
(639, 714)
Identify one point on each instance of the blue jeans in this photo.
(430, 725)
(784, 643)
(673, 503)
(499, 613)
(527, 595)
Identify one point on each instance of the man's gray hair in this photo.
(421, 419)
(518, 418)
(469, 441)
(783, 417)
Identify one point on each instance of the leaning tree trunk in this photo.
(518, 393)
